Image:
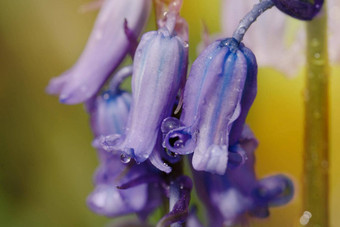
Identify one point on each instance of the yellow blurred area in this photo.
(47, 162)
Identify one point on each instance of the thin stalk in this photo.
(316, 184)
(250, 18)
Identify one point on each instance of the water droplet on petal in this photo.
(171, 154)
(125, 158)
(169, 124)
(179, 144)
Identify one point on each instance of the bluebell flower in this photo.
(159, 69)
(300, 9)
(230, 197)
(106, 48)
(217, 96)
(110, 200)
(108, 114)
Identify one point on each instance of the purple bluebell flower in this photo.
(228, 198)
(109, 200)
(218, 94)
(159, 69)
(105, 50)
(108, 113)
(300, 9)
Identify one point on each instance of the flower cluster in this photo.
(142, 137)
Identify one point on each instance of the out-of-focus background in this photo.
(46, 160)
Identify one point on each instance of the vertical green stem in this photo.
(316, 160)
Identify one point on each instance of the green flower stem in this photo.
(316, 184)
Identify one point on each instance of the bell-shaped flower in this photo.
(217, 96)
(108, 114)
(109, 111)
(107, 46)
(159, 69)
(230, 197)
(109, 200)
(300, 9)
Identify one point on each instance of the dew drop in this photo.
(170, 124)
(317, 55)
(125, 158)
(179, 144)
(304, 219)
(171, 154)
(242, 30)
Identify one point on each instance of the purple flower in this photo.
(108, 114)
(218, 94)
(106, 48)
(300, 9)
(229, 197)
(109, 200)
(159, 69)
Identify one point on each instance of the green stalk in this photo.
(316, 183)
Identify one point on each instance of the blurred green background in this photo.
(46, 160)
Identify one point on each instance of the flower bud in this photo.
(300, 9)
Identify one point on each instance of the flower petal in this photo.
(106, 48)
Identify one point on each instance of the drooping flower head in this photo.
(237, 193)
(218, 94)
(159, 69)
(106, 48)
(108, 114)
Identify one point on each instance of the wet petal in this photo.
(214, 98)
(159, 68)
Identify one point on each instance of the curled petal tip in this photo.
(180, 141)
(275, 190)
